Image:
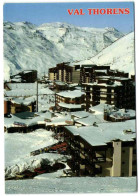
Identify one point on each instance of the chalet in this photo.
(107, 149)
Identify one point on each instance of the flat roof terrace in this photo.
(105, 133)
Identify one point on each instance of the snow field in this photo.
(18, 147)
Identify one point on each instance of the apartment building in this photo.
(110, 90)
(62, 72)
(70, 100)
(108, 149)
(81, 73)
(66, 72)
(88, 73)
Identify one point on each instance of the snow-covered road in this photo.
(72, 185)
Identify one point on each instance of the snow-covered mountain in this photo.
(119, 55)
(27, 46)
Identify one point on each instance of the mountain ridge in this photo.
(119, 55)
(28, 46)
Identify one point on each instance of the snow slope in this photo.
(18, 147)
(119, 55)
(27, 46)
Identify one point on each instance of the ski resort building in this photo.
(62, 86)
(26, 76)
(62, 72)
(77, 73)
(19, 105)
(116, 91)
(70, 100)
(29, 121)
(107, 149)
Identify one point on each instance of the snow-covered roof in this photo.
(60, 83)
(26, 118)
(16, 80)
(121, 113)
(17, 76)
(105, 132)
(102, 71)
(26, 89)
(90, 120)
(86, 62)
(28, 71)
(98, 109)
(114, 84)
(73, 85)
(113, 77)
(71, 94)
(30, 118)
(46, 115)
(59, 120)
(15, 86)
(20, 93)
(80, 114)
(24, 101)
(70, 106)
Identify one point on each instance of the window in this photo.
(134, 162)
(134, 151)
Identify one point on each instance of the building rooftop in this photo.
(26, 119)
(71, 94)
(23, 101)
(121, 113)
(90, 120)
(69, 106)
(80, 114)
(60, 83)
(113, 77)
(98, 109)
(105, 132)
(114, 84)
(26, 89)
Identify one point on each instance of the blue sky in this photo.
(39, 13)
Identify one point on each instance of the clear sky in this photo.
(39, 13)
